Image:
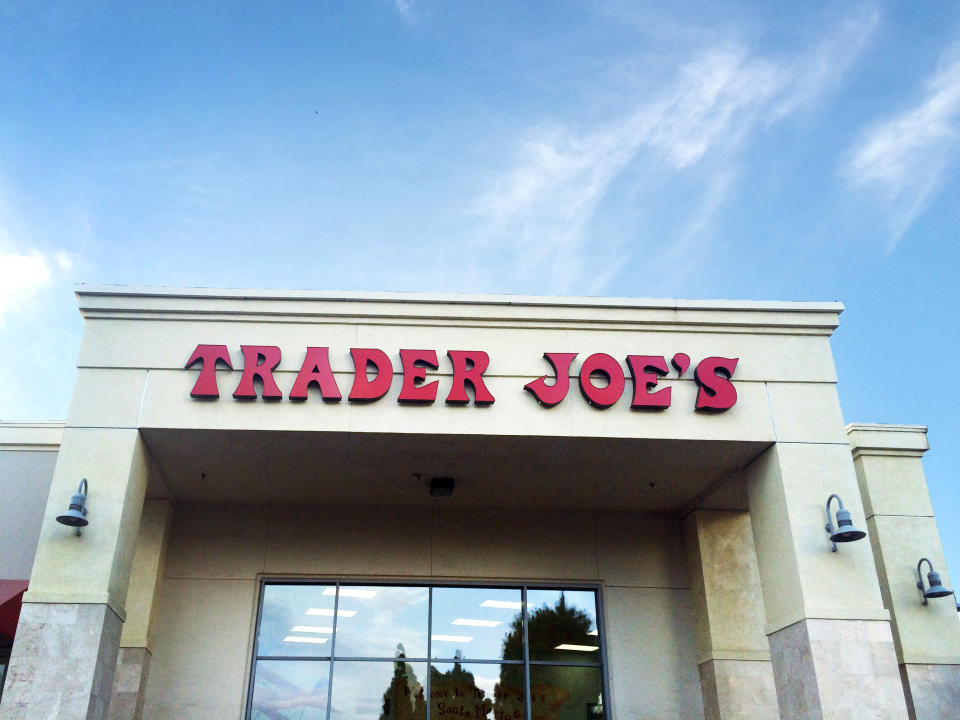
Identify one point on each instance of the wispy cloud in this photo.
(538, 211)
(403, 7)
(905, 157)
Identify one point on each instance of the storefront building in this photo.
(318, 506)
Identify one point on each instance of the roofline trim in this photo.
(135, 291)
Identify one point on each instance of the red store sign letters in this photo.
(601, 377)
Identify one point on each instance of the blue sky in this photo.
(796, 151)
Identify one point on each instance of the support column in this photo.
(136, 645)
(736, 675)
(829, 634)
(65, 652)
(902, 530)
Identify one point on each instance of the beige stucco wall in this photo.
(149, 561)
(801, 577)
(204, 625)
(28, 453)
(728, 599)
(94, 568)
(134, 350)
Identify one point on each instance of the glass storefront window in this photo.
(383, 621)
(296, 620)
(566, 692)
(562, 625)
(416, 652)
(379, 690)
(476, 623)
(288, 689)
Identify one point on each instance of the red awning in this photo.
(11, 595)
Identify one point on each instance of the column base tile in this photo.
(129, 683)
(738, 690)
(837, 669)
(62, 664)
(933, 691)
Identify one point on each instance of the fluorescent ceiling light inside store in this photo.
(475, 623)
(296, 638)
(503, 604)
(452, 638)
(329, 613)
(311, 629)
(351, 592)
(578, 648)
(593, 632)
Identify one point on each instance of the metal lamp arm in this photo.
(829, 526)
(920, 579)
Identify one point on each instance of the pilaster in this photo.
(736, 675)
(65, 652)
(902, 529)
(136, 646)
(829, 634)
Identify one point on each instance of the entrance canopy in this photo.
(322, 398)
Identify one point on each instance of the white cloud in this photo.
(538, 211)
(23, 273)
(905, 157)
(21, 276)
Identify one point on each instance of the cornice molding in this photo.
(299, 306)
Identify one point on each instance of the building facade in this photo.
(313, 505)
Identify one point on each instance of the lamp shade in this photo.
(846, 531)
(76, 514)
(936, 588)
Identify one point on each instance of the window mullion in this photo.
(333, 647)
(256, 649)
(429, 647)
(528, 706)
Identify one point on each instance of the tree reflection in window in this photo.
(454, 693)
(404, 699)
(556, 691)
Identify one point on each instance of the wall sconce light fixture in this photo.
(845, 530)
(935, 588)
(75, 516)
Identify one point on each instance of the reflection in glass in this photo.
(563, 626)
(474, 691)
(385, 617)
(566, 693)
(379, 690)
(477, 638)
(290, 690)
(294, 621)
(474, 622)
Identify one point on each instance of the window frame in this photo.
(6, 650)
(526, 663)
